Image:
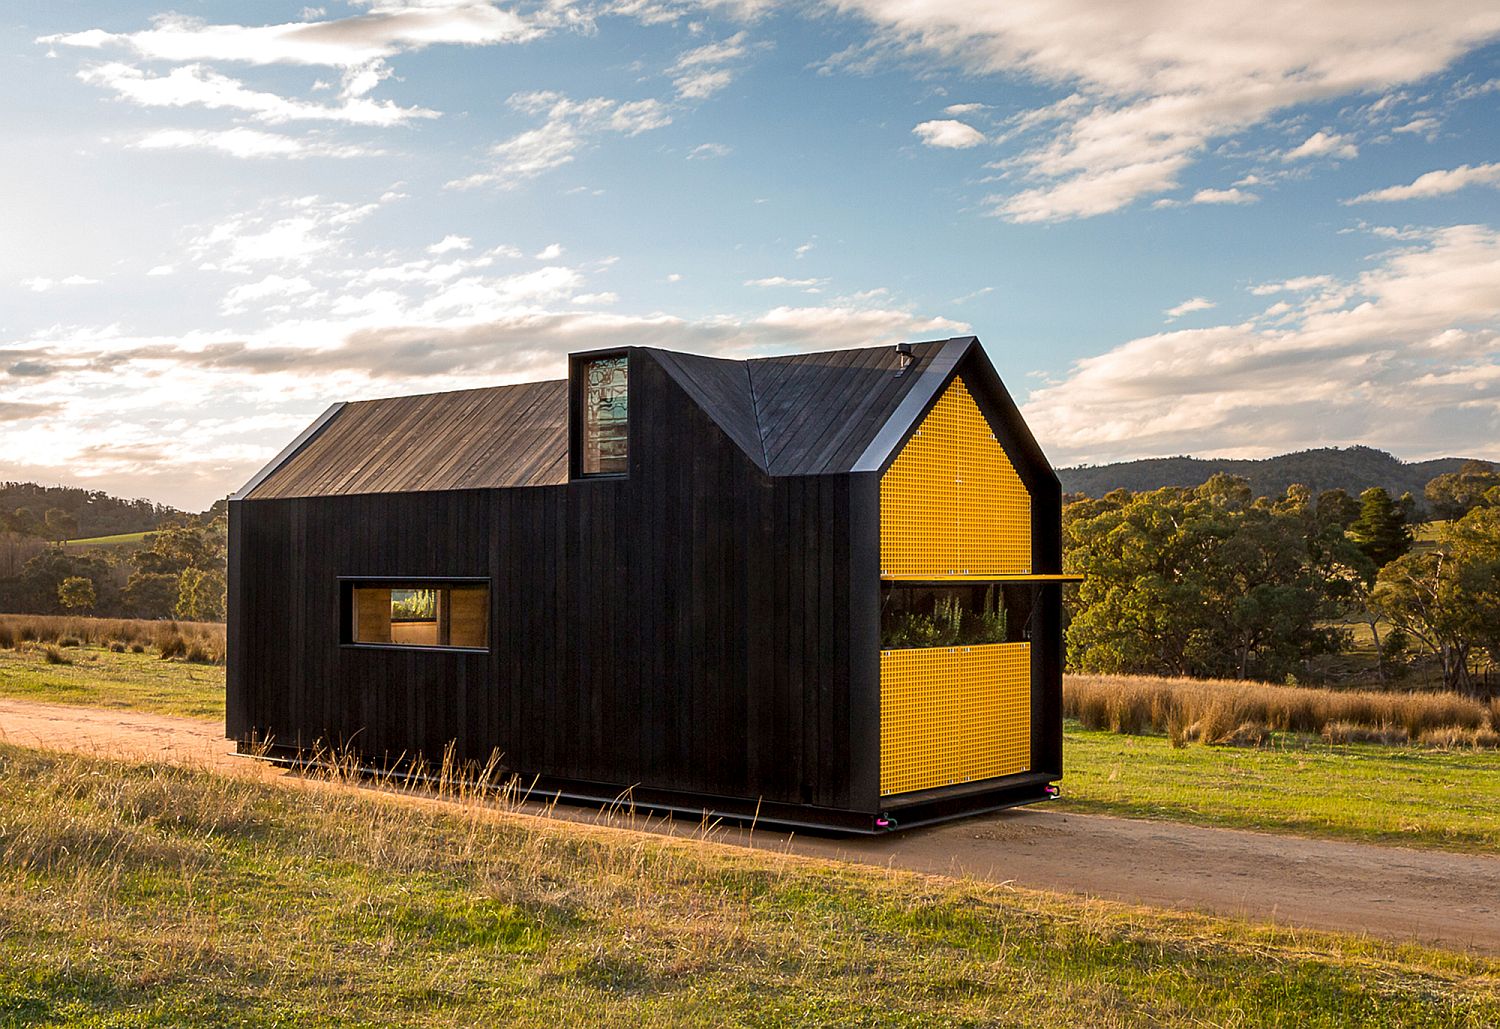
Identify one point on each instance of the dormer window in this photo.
(603, 407)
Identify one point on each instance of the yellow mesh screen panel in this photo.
(951, 503)
(953, 715)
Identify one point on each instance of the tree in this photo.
(1448, 598)
(1205, 581)
(151, 595)
(76, 593)
(201, 595)
(1455, 494)
(1380, 530)
(1335, 507)
(61, 526)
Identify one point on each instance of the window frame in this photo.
(576, 364)
(349, 583)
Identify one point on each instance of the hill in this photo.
(1352, 469)
(94, 513)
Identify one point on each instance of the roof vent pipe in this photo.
(903, 352)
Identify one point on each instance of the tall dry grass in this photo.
(1219, 710)
(191, 641)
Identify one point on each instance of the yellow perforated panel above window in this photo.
(951, 503)
(951, 715)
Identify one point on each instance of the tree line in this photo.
(1213, 581)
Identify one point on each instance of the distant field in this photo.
(1361, 792)
(133, 894)
(110, 541)
(98, 677)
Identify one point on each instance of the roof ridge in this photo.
(760, 429)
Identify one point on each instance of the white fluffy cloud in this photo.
(243, 142)
(1409, 353)
(1189, 306)
(1322, 143)
(194, 85)
(386, 29)
(1154, 83)
(701, 72)
(948, 134)
(570, 126)
(1436, 183)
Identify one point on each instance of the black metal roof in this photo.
(799, 414)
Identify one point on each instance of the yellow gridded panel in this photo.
(951, 503)
(920, 742)
(953, 715)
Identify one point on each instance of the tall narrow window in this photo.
(416, 614)
(605, 409)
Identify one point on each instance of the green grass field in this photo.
(142, 895)
(1419, 798)
(119, 539)
(101, 678)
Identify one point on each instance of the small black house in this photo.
(820, 588)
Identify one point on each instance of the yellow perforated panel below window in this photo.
(952, 715)
(951, 503)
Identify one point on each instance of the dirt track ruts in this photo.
(1397, 893)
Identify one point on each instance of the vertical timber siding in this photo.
(698, 626)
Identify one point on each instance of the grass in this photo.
(98, 677)
(1360, 792)
(118, 539)
(1216, 710)
(201, 642)
(154, 896)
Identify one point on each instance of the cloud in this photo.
(550, 252)
(570, 126)
(195, 85)
(1224, 196)
(1148, 86)
(1322, 144)
(272, 287)
(291, 233)
(41, 284)
(247, 143)
(706, 151)
(387, 29)
(448, 244)
(951, 135)
(1408, 352)
(781, 281)
(1300, 284)
(700, 73)
(19, 411)
(1435, 183)
(1188, 306)
(956, 110)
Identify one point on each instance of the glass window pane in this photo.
(420, 615)
(605, 402)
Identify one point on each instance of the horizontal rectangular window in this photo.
(419, 614)
(954, 616)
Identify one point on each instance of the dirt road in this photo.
(1451, 900)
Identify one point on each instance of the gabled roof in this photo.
(802, 414)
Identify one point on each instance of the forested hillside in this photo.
(1353, 470)
(76, 513)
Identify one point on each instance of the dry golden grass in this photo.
(1226, 711)
(201, 642)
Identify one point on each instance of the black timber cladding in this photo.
(708, 624)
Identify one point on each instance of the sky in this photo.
(1223, 229)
